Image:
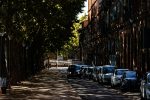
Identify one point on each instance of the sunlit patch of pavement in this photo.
(47, 85)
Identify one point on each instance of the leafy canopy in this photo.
(72, 45)
(44, 22)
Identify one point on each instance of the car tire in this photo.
(112, 85)
(68, 76)
(102, 82)
(123, 88)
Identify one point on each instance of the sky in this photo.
(85, 9)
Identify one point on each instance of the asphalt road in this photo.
(52, 84)
(90, 90)
(49, 84)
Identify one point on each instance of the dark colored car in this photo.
(73, 71)
(83, 71)
(87, 72)
(90, 72)
(129, 81)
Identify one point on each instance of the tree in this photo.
(72, 45)
(37, 26)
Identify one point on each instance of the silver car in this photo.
(117, 76)
(106, 73)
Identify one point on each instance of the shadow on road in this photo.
(47, 85)
(89, 90)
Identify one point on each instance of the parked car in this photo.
(83, 71)
(106, 73)
(99, 77)
(73, 71)
(129, 81)
(89, 72)
(117, 76)
(95, 73)
(145, 86)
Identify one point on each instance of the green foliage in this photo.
(49, 21)
(36, 27)
(72, 45)
(40, 26)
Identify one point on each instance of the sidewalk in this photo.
(48, 85)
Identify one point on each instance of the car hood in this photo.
(119, 76)
(108, 74)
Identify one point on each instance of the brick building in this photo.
(118, 32)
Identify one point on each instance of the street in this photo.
(46, 85)
(52, 84)
(89, 90)
(109, 43)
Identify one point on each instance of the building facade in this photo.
(118, 33)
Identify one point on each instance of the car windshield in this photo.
(130, 74)
(90, 70)
(108, 69)
(148, 78)
(120, 72)
(73, 67)
(77, 67)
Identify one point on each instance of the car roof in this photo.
(108, 66)
(74, 65)
(130, 71)
(97, 67)
(82, 65)
(121, 69)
